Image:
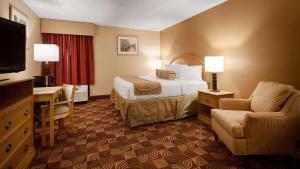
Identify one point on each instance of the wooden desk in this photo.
(47, 94)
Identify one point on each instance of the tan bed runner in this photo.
(143, 86)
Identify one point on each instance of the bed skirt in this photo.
(139, 112)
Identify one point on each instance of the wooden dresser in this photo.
(16, 124)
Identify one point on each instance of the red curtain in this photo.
(76, 59)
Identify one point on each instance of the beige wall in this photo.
(32, 67)
(108, 64)
(259, 38)
(67, 27)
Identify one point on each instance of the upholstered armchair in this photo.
(266, 123)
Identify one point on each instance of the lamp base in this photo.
(214, 82)
(46, 81)
(45, 68)
(212, 90)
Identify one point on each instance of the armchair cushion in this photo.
(270, 96)
(231, 120)
(61, 109)
(235, 104)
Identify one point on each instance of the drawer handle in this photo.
(206, 100)
(25, 114)
(8, 125)
(26, 130)
(26, 148)
(8, 147)
(9, 167)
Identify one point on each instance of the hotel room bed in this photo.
(177, 98)
(169, 88)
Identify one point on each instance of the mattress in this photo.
(169, 88)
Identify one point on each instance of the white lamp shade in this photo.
(214, 64)
(46, 53)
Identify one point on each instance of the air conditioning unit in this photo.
(81, 93)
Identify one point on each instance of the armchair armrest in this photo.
(234, 104)
(264, 119)
(269, 131)
(56, 103)
(62, 102)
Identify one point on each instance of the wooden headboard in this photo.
(191, 61)
(187, 60)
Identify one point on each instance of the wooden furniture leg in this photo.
(216, 137)
(72, 123)
(43, 113)
(52, 121)
(62, 123)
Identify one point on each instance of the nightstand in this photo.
(209, 100)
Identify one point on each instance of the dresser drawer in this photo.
(8, 146)
(208, 100)
(14, 159)
(14, 115)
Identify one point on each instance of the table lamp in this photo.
(156, 64)
(214, 64)
(46, 53)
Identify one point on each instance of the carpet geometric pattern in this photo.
(103, 141)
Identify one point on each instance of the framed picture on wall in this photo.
(127, 45)
(18, 16)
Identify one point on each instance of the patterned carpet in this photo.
(103, 141)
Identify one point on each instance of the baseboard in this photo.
(99, 97)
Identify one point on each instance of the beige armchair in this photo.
(62, 109)
(266, 123)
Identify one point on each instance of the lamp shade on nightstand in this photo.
(46, 53)
(214, 64)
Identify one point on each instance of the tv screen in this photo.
(12, 46)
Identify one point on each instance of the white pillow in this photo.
(192, 73)
(178, 69)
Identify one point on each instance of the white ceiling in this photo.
(138, 14)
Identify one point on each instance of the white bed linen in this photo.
(191, 87)
(175, 87)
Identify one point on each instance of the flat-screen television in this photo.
(12, 46)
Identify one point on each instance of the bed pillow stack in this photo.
(165, 74)
(178, 69)
(185, 72)
(192, 73)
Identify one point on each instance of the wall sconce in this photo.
(156, 64)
